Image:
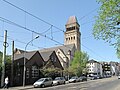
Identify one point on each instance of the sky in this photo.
(52, 16)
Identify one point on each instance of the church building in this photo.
(59, 56)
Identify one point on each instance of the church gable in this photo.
(18, 51)
(36, 59)
(53, 62)
(60, 53)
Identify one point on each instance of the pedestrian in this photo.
(6, 83)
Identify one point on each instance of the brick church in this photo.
(59, 56)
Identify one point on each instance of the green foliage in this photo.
(118, 49)
(8, 59)
(0, 58)
(50, 72)
(105, 27)
(68, 71)
(79, 62)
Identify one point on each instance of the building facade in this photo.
(94, 68)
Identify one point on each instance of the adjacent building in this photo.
(94, 68)
(106, 68)
(114, 68)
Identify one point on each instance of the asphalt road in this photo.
(101, 84)
(112, 83)
(107, 84)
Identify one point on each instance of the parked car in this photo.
(74, 79)
(99, 77)
(43, 82)
(59, 80)
(83, 78)
(93, 77)
(118, 76)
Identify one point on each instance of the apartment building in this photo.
(94, 68)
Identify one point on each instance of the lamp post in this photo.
(24, 62)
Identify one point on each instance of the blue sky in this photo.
(55, 12)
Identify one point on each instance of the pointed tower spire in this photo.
(72, 34)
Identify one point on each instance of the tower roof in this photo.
(72, 19)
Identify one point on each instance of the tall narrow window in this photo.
(69, 38)
(74, 37)
(27, 73)
(35, 72)
(66, 39)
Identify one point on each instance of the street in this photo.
(112, 83)
(105, 84)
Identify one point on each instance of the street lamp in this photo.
(25, 59)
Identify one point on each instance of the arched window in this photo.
(66, 39)
(74, 37)
(69, 38)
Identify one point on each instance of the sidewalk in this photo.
(20, 88)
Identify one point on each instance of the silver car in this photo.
(43, 82)
(74, 79)
(118, 76)
(59, 80)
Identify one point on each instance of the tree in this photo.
(0, 59)
(51, 72)
(8, 59)
(79, 62)
(7, 63)
(108, 18)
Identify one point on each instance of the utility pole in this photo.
(12, 64)
(4, 58)
(24, 61)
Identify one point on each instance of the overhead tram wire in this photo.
(88, 22)
(88, 13)
(32, 15)
(10, 22)
(45, 21)
(13, 23)
(93, 51)
(47, 30)
(21, 42)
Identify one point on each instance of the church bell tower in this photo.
(72, 34)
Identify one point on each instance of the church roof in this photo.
(65, 48)
(72, 19)
(46, 55)
(28, 55)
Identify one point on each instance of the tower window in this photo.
(69, 38)
(70, 28)
(66, 39)
(77, 28)
(74, 37)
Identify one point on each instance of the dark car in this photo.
(93, 77)
(83, 78)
